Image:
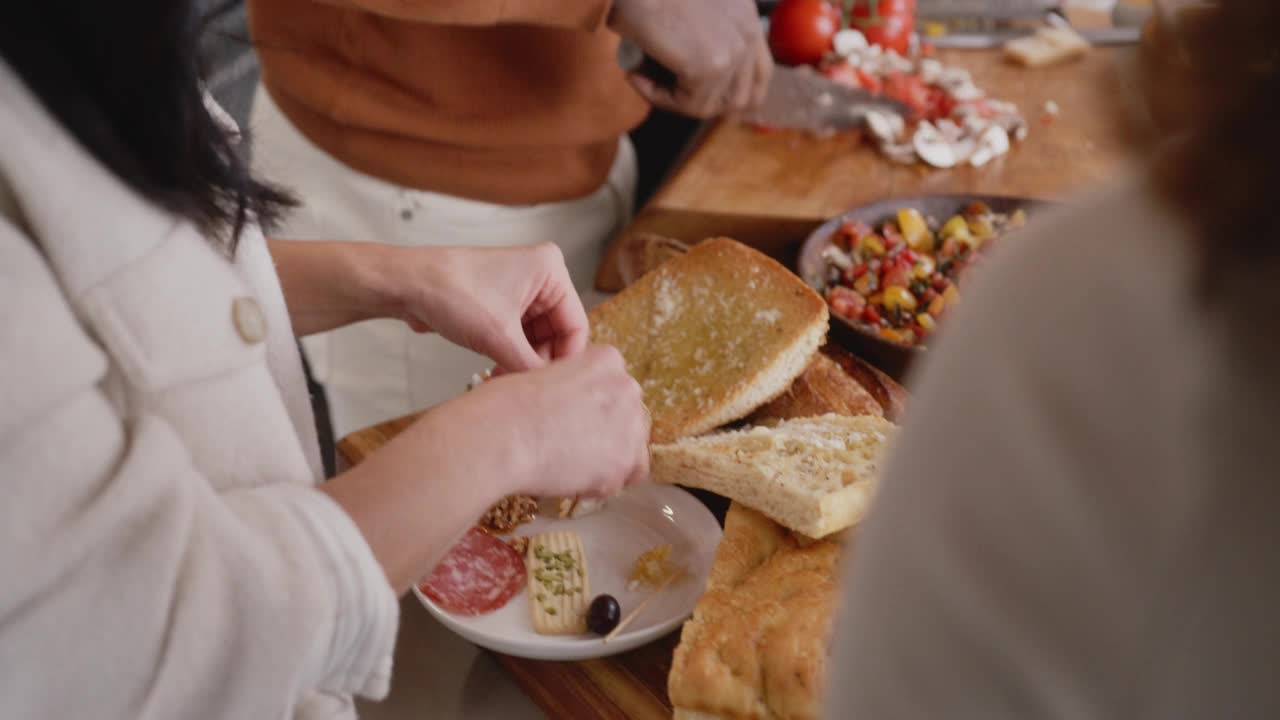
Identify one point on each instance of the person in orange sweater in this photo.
(472, 122)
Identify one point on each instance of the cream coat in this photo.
(163, 550)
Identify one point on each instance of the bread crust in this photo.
(757, 644)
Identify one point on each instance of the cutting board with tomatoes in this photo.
(767, 188)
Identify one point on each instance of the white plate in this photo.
(642, 517)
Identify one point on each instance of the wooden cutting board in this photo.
(630, 686)
(769, 190)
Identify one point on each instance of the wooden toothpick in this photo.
(636, 610)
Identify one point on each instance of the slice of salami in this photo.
(479, 575)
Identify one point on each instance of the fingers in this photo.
(764, 73)
(568, 320)
(513, 352)
(655, 95)
(556, 322)
(743, 88)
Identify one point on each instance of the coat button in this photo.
(249, 320)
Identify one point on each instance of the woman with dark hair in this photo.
(1079, 518)
(164, 547)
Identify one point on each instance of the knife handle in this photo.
(633, 60)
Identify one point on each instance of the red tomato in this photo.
(846, 303)
(843, 73)
(888, 23)
(891, 233)
(869, 81)
(900, 275)
(909, 90)
(938, 103)
(800, 31)
(871, 315)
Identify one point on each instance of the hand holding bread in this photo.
(582, 429)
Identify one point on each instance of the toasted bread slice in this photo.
(712, 335)
(812, 475)
(756, 646)
(823, 389)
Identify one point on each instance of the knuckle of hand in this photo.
(551, 250)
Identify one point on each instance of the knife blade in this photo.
(797, 97)
(801, 98)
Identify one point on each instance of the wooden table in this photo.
(771, 190)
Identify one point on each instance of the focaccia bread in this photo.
(757, 645)
(712, 335)
(823, 388)
(815, 476)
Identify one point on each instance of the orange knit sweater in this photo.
(505, 101)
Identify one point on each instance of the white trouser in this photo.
(379, 369)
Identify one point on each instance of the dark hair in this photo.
(125, 80)
(1213, 74)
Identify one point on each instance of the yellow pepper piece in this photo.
(864, 284)
(927, 322)
(892, 334)
(937, 306)
(924, 267)
(951, 295)
(899, 298)
(957, 228)
(915, 230)
(872, 244)
(981, 227)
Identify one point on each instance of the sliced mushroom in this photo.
(904, 153)
(930, 70)
(885, 127)
(932, 147)
(993, 143)
(950, 130)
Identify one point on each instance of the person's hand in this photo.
(575, 427)
(715, 48)
(515, 305)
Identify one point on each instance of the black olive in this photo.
(603, 615)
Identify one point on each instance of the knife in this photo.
(797, 97)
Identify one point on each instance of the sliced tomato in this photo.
(846, 303)
(844, 73)
(938, 103)
(909, 90)
(893, 235)
(898, 275)
(869, 81)
(871, 315)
